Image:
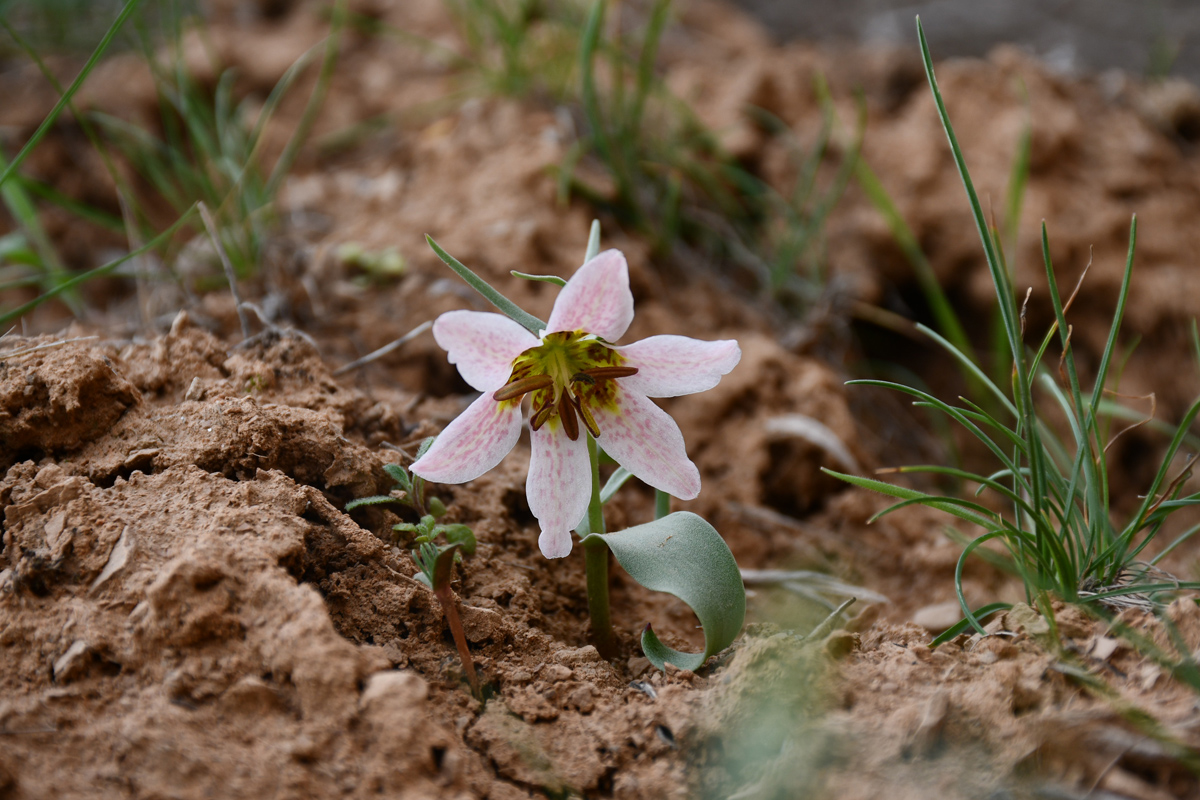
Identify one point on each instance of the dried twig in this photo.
(383, 351)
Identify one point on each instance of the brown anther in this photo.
(608, 373)
(522, 387)
(541, 415)
(588, 420)
(566, 410)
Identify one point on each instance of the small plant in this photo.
(1058, 531)
(586, 392)
(435, 562)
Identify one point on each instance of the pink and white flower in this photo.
(576, 377)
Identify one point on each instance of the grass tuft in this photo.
(1055, 522)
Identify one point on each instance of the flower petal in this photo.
(482, 345)
(477, 440)
(669, 366)
(596, 299)
(647, 442)
(559, 486)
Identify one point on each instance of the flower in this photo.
(576, 378)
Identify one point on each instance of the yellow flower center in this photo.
(566, 375)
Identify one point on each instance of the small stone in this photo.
(556, 672)
(574, 656)
(939, 617)
(252, 696)
(1103, 648)
(480, 624)
(637, 665)
(394, 687)
(582, 699)
(195, 390)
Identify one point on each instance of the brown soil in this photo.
(187, 611)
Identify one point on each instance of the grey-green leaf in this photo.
(399, 475)
(508, 307)
(683, 555)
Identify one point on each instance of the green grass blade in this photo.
(52, 117)
(979, 614)
(9, 317)
(940, 306)
(970, 367)
(969, 512)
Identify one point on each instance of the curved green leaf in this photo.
(683, 555)
(508, 307)
(554, 279)
(963, 624)
(460, 535)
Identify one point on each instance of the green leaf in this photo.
(52, 117)
(593, 245)
(400, 475)
(459, 535)
(506, 306)
(436, 507)
(373, 500)
(681, 554)
(615, 482)
(962, 625)
(557, 281)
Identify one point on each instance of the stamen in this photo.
(541, 415)
(522, 387)
(588, 420)
(608, 373)
(566, 410)
(583, 377)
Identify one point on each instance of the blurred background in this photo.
(1144, 37)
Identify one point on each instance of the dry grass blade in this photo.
(383, 351)
(46, 346)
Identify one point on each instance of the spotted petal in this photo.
(482, 346)
(559, 486)
(596, 299)
(647, 442)
(477, 440)
(669, 366)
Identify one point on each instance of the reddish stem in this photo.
(450, 609)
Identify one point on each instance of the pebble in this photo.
(938, 617)
(556, 672)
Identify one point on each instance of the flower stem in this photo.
(662, 504)
(450, 609)
(596, 560)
